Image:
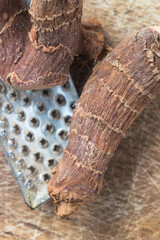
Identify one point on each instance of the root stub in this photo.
(72, 190)
(64, 209)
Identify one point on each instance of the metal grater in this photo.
(33, 133)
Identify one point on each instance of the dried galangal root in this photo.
(38, 46)
(119, 89)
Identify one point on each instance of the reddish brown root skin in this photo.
(121, 86)
(38, 47)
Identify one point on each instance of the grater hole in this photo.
(50, 162)
(21, 116)
(3, 133)
(38, 157)
(34, 122)
(46, 93)
(24, 150)
(68, 120)
(7, 108)
(49, 128)
(3, 122)
(12, 143)
(43, 143)
(60, 99)
(20, 162)
(31, 169)
(45, 177)
(16, 129)
(29, 137)
(73, 105)
(66, 86)
(13, 95)
(2, 88)
(11, 154)
(57, 149)
(26, 101)
(55, 114)
(20, 175)
(28, 183)
(41, 108)
(63, 134)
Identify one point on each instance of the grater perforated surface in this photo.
(33, 133)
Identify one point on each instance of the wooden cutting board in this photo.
(129, 205)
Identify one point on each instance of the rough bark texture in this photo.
(57, 22)
(37, 49)
(116, 93)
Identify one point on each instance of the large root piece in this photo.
(38, 47)
(119, 89)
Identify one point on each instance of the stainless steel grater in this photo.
(33, 133)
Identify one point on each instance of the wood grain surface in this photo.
(129, 205)
(120, 17)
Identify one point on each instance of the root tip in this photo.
(64, 209)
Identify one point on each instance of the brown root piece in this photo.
(38, 47)
(93, 38)
(118, 90)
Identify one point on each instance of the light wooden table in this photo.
(129, 205)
